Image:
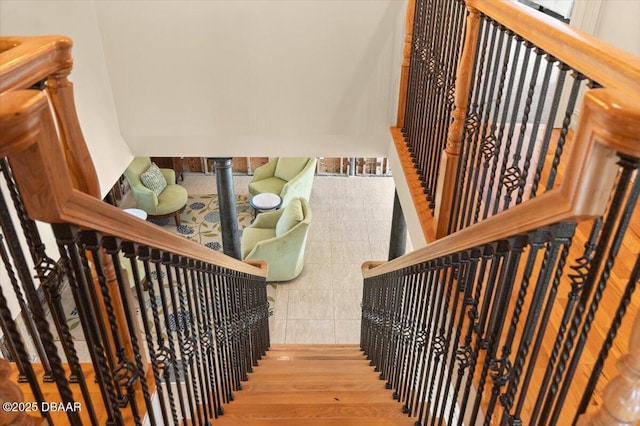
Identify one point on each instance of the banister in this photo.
(25, 61)
(26, 123)
(608, 65)
(610, 122)
(28, 60)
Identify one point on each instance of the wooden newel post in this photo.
(449, 162)
(406, 62)
(621, 399)
(83, 172)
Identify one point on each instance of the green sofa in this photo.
(169, 201)
(286, 176)
(279, 238)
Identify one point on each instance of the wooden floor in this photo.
(314, 385)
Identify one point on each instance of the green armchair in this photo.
(166, 201)
(279, 238)
(287, 177)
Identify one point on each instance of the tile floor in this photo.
(351, 222)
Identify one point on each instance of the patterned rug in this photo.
(200, 222)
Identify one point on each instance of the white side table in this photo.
(139, 213)
(265, 202)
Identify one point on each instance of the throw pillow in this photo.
(154, 179)
(291, 216)
(288, 168)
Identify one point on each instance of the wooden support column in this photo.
(449, 162)
(621, 400)
(406, 63)
(227, 205)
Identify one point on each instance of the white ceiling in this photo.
(236, 78)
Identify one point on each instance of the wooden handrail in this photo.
(610, 122)
(40, 171)
(25, 61)
(606, 64)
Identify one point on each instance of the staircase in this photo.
(309, 385)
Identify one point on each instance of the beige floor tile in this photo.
(379, 230)
(278, 300)
(350, 251)
(349, 211)
(318, 252)
(310, 304)
(349, 230)
(311, 331)
(346, 275)
(348, 331)
(319, 230)
(277, 330)
(347, 303)
(314, 276)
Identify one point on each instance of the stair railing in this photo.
(203, 314)
(513, 319)
(488, 83)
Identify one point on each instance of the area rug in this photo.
(200, 222)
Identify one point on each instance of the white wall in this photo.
(96, 110)
(259, 78)
(618, 24)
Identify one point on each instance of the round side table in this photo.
(139, 213)
(265, 202)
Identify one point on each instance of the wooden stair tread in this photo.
(290, 410)
(338, 421)
(314, 385)
(315, 397)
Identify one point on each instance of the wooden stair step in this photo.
(314, 385)
(315, 366)
(339, 421)
(287, 385)
(315, 397)
(288, 410)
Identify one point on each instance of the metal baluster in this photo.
(573, 97)
(203, 356)
(16, 344)
(500, 142)
(121, 367)
(625, 300)
(553, 239)
(483, 328)
(197, 374)
(536, 123)
(78, 276)
(578, 278)
(514, 177)
(485, 145)
(207, 291)
(542, 331)
(476, 324)
(468, 147)
(550, 120)
(463, 352)
(629, 165)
